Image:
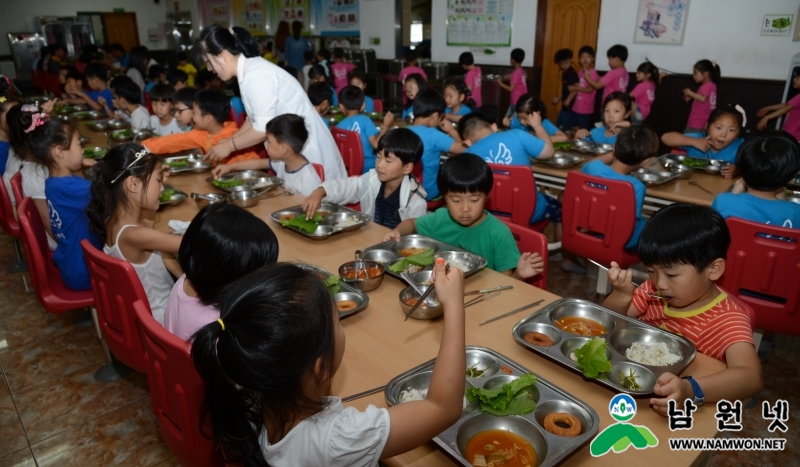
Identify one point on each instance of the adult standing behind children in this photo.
(296, 46)
(236, 54)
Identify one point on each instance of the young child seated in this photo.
(182, 102)
(456, 96)
(359, 80)
(388, 193)
(316, 74)
(96, 75)
(222, 244)
(207, 79)
(466, 182)
(526, 106)
(177, 79)
(286, 415)
(156, 74)
(412, 86)
(74, 91)
(720, 141)
(286, 136)
(473, 77)
(351, 101)
(790, 108)
(616, 115)
(767, 162)
(616, 80)
(187, 67)
(429, 108)
(411, 68)
(162, 122)
(209, 111)
(340, 69)
(125, 198)
(127, 95)
(635, 145)
(684, 247)
(320, 96)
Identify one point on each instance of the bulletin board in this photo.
(481, 23)
(215, 12)
(250, 15)
(336, 17)
(289, 11)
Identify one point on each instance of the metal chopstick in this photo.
(363, 394)
(634, 283)
(481, 298)
(530, 305)
(425, 295)
(493, 289)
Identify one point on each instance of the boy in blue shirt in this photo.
(96, 75)
(320, 95)
(635, 145)
(429, 107)
(466, 182)
(351, 101)
(767, 162)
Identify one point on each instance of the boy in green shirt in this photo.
(465, 181)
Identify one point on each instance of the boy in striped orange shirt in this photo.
(684, 247)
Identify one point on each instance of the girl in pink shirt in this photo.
(222, 244)
(791, 109)
(473, 78)
(644, 93)
(706, 73)
(410, 69)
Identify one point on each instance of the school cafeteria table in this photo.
(380, 345)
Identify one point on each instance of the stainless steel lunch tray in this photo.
(654, 177)
(195, 164)
(388, 253)
(347, 292)
(671, 160)
(72, 108)
(621, 332)
(794, 184)
(550, 449)
(177, 198)
(561, 160)
(97, 152)
(793, 197)
(336, 214)
(85, 115)
(256, 180)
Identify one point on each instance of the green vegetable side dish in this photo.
(332, 282)
(510, 399)
(563, 145)
(177, 164)
(123, 133)
(229, 183)
(592, 358)
(423, 259)
(94, 154)
(690, 162)
(375, 115)
(301, 223)
(474, 372)
(166, 195)
(629, 382)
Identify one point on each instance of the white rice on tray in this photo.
(654, 354)
(416, 395)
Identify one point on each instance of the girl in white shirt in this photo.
(268, 362)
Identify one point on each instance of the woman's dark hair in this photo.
(39, 143)
(108, 187)
(769, 160)
(636, 144)
(222, 244)
(129, 91)
(518, 55)
(316, 72)
(184, 96)
(562, 55)
(161, 93)
(319, 92)
(97, 70)
(586, 49)
(466, 59)
(623, 97)
(215, 38)
(466, 173)
(155, 71)
(429, 102)
(618, 51)
(278, 324)
(707, 66)
(403, 143)
(289, 129)
(280, 36)
(351, 97)
(647, 68)
(297, 29)
(726, 109)
(214, 103)
(684, 233)
(530, 103)
(137, 58)
(461, 88)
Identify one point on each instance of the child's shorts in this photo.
(552, 211)
(637, 118)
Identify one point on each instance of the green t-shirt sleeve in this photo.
(506, 252)
(427, 225)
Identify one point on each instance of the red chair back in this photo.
(599, 216)
(7, 220)
(148, 103)
(240, 118)
(231, 114)
(16, 188)
(531, 241)
(176, 391)
(378, 104)
(514, 194)
(762, 269)
(52, 83)
(320, 171)
(45, 277)
(116, 286)
(349, 144)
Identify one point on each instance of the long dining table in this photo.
(380, 345)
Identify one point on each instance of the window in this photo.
(416, 32)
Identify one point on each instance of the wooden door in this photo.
(121, 28)
(570, 24)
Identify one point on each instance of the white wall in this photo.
(377, 20)
(523, 35)
(728, 32)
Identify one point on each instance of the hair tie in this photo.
(221, 323)
(37, 120)
(741, 111)
(714, 62)
(29, 108)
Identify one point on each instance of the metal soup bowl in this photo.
(244, 199)
(520, 426)
(203, 200)
(364, 285)
(422, 312)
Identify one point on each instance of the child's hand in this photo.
(449, 287)
(762, 123)
(555, 100)
(687, 93)
(388, 119)
(728, 171)
(762, 112)
(221, 170)
(529, 265)
(87, 162)
(619, 126)
(739, 187)
(581, 134)
(312, 203)
(102, 101)
(506, 122)
(621, 279)
(534, 119)
(393, 235)
(47, 107)
(219, 152)
(670, 387)
(702, 144)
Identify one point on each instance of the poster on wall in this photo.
(483, 23)
(336, 17)
(289, 11)
(661, 21)
(215, 12)
(249, 14)
(777, 25)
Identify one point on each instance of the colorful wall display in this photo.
(215, 12)
(336, 17)
(250, 15)
(289, 11)
(479, 22)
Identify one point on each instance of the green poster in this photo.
(479, 23)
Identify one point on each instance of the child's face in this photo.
(722, 131)
(640, 76)
(324, 107)
(615, 62)
(152, 194)
(411, 89)
(74, 84)
(94, 83)
(62, 76)
(277, 150)
(358, 83)
(320, 58)
(565, 64)
(451, 97)
(72, 158)
(614, 113)
(698, 76)
(183, 113)
(389, 167)
(179, 85)
(586, 60)
(118, 103)
(682, 286)
(162, 78)
(318, 79)
(796, 82)
(214, 83)
(161, 109)
(183, 62)
(465, 208)
(200, 121)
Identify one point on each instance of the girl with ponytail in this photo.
(704, 101)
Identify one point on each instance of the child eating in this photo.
(162, 122)
(351, 101)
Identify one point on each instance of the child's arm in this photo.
(451, 131)
(529, 265)
(502, 84)
(698, 97)
(342, 191)
(577, 88)
(407, 227)
(102, 101)
(559, 137)
(570, 97)
(783, 109)
(388, 119)
(89, 101)
(415, 423)
(599, 84)
(674, 139)
(621, 299)
(535, 122)
(769, 108)
(252, 164)
(149, 239)
(582, 133)
(742, 379)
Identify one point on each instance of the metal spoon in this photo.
(694, 182)
(360, 262)
(425, 295)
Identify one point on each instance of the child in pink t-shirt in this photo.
(518, 85)
(706, 73)
(340, 69)
(473, 78)
(583, 106)
(617, 78)
(644, 93)
(410, 69)
(791, 108)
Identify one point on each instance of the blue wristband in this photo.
(699, 397)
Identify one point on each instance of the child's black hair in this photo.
(17, 136)
(129, 91)
(466, 173)
(419, 80)
(270, 46)
(618, 51)
(429, 102)
(562, 55)
(319, 92)
(351, 97)
(316, 72)
(161, 93)
(529, 103)
(586, 49)
(108, 187)
(46, 136)
(726, 109)
(769, 160)
(289, 129)
(325, 53)
(461, 88)
(137, 58)
(183, 56)
(466, 59)
(338, 52)
(707, 66)
(154, 72)
(214, 103)
(177, 76)
(471, 123)
(184, 96)
(202, 77)
(410, 56)
(117, 47)
(96, 70)
(623, 97)
(404, 144)
(636, 144)
(73, 73)
(279, 331)
(518, 55)
(357, 74)
(222, 244)
(684, 233)
(119, 80)
(647, 68)
(308, 56)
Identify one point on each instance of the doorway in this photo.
(121, 28)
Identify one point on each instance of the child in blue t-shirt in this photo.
(320, 96)
(414, 84)
(767, 162)
(456, 96)
(635, 145)
(359, 79)
(316, 74)
(616, 116)
(526, 106)
(5, 136)
(351, 101)
(96, 75)
(429, 108)
(466, 182)
(720, 141)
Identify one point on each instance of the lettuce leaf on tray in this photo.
(510, 399)
(301, 223)
(423, 259)
(332, 282)
(592, 358)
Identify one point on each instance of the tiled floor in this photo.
(53, 412)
